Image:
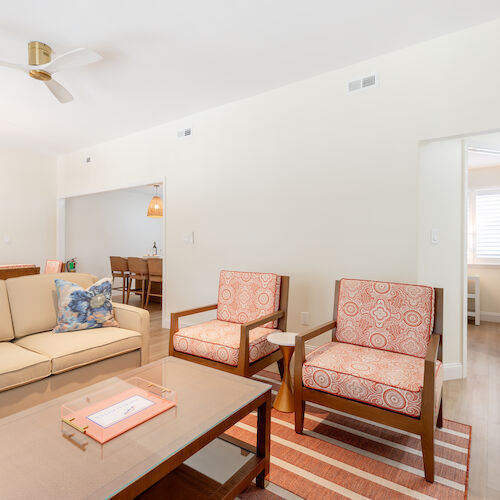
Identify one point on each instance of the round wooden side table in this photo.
(286, 341)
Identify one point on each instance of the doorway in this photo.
(96, 226)
(483, 235)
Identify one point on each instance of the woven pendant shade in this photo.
(155, 208)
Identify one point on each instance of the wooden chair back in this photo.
(138, 267)
(285, 285)
(118, 264)
(155, 267)
(54, 266)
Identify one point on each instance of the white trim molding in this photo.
(453, 371)
(490, 316)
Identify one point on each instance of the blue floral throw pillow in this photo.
(80, 309)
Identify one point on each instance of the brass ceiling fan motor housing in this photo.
(39, 53)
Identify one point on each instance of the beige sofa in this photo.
(37, 365)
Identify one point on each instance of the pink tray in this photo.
(79, 419)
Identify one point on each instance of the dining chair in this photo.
(119, 269)
(384, 362)
(54, 266)
(250, 306)
(138, 269)
(155, 269)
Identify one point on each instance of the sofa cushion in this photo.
(386, 379)
(220, 341)
(69, 350)
(6, 330)
(19, 366)
(245, 297)
(389, 316)
(33, 300)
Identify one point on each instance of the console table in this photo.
(16, 270)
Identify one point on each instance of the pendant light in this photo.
(155, 208)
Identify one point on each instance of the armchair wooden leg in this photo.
(124, 286)
(281, 367)
(440, 414)
(300, 408)
(427, 439)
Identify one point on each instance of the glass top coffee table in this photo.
(182, 450)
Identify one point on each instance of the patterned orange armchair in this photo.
(250, 306)
(384, 362)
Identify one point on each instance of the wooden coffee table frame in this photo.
(257, 467)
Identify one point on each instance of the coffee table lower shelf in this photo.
(187, 482)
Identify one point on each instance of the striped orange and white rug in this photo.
(344, 456)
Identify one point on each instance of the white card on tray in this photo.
(120, 411)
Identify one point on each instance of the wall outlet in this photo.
(304, 318)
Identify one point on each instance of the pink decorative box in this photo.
(117, 408)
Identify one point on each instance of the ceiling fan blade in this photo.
(21, 67)
(73, 59)
(60, 93)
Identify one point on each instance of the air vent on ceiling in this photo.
(362, 83)
(185, 132)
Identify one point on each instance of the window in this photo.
(484, 227)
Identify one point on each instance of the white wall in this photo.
(441, 187)
(110, 223)
(481, 178)
(27, 207)
(307, 180)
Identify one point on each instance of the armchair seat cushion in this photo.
(220, 341)
(389, 380)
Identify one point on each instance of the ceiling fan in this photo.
(41, 67)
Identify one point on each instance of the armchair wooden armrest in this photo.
(428, 396)
(314, 332)
(300, 350)
(245, 334)
(262, 321)
(174, 317)
(174, 322)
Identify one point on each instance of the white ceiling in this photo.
(165, 59)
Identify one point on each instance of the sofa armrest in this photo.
(136, 319)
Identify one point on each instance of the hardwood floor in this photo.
(474, 400)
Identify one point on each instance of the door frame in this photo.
(61, 223)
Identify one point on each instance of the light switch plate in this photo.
(188, 238)
(304, 318)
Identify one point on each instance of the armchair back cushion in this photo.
(389, 316)
(245, 297)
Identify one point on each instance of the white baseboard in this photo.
(490, 316)
(453, 371)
